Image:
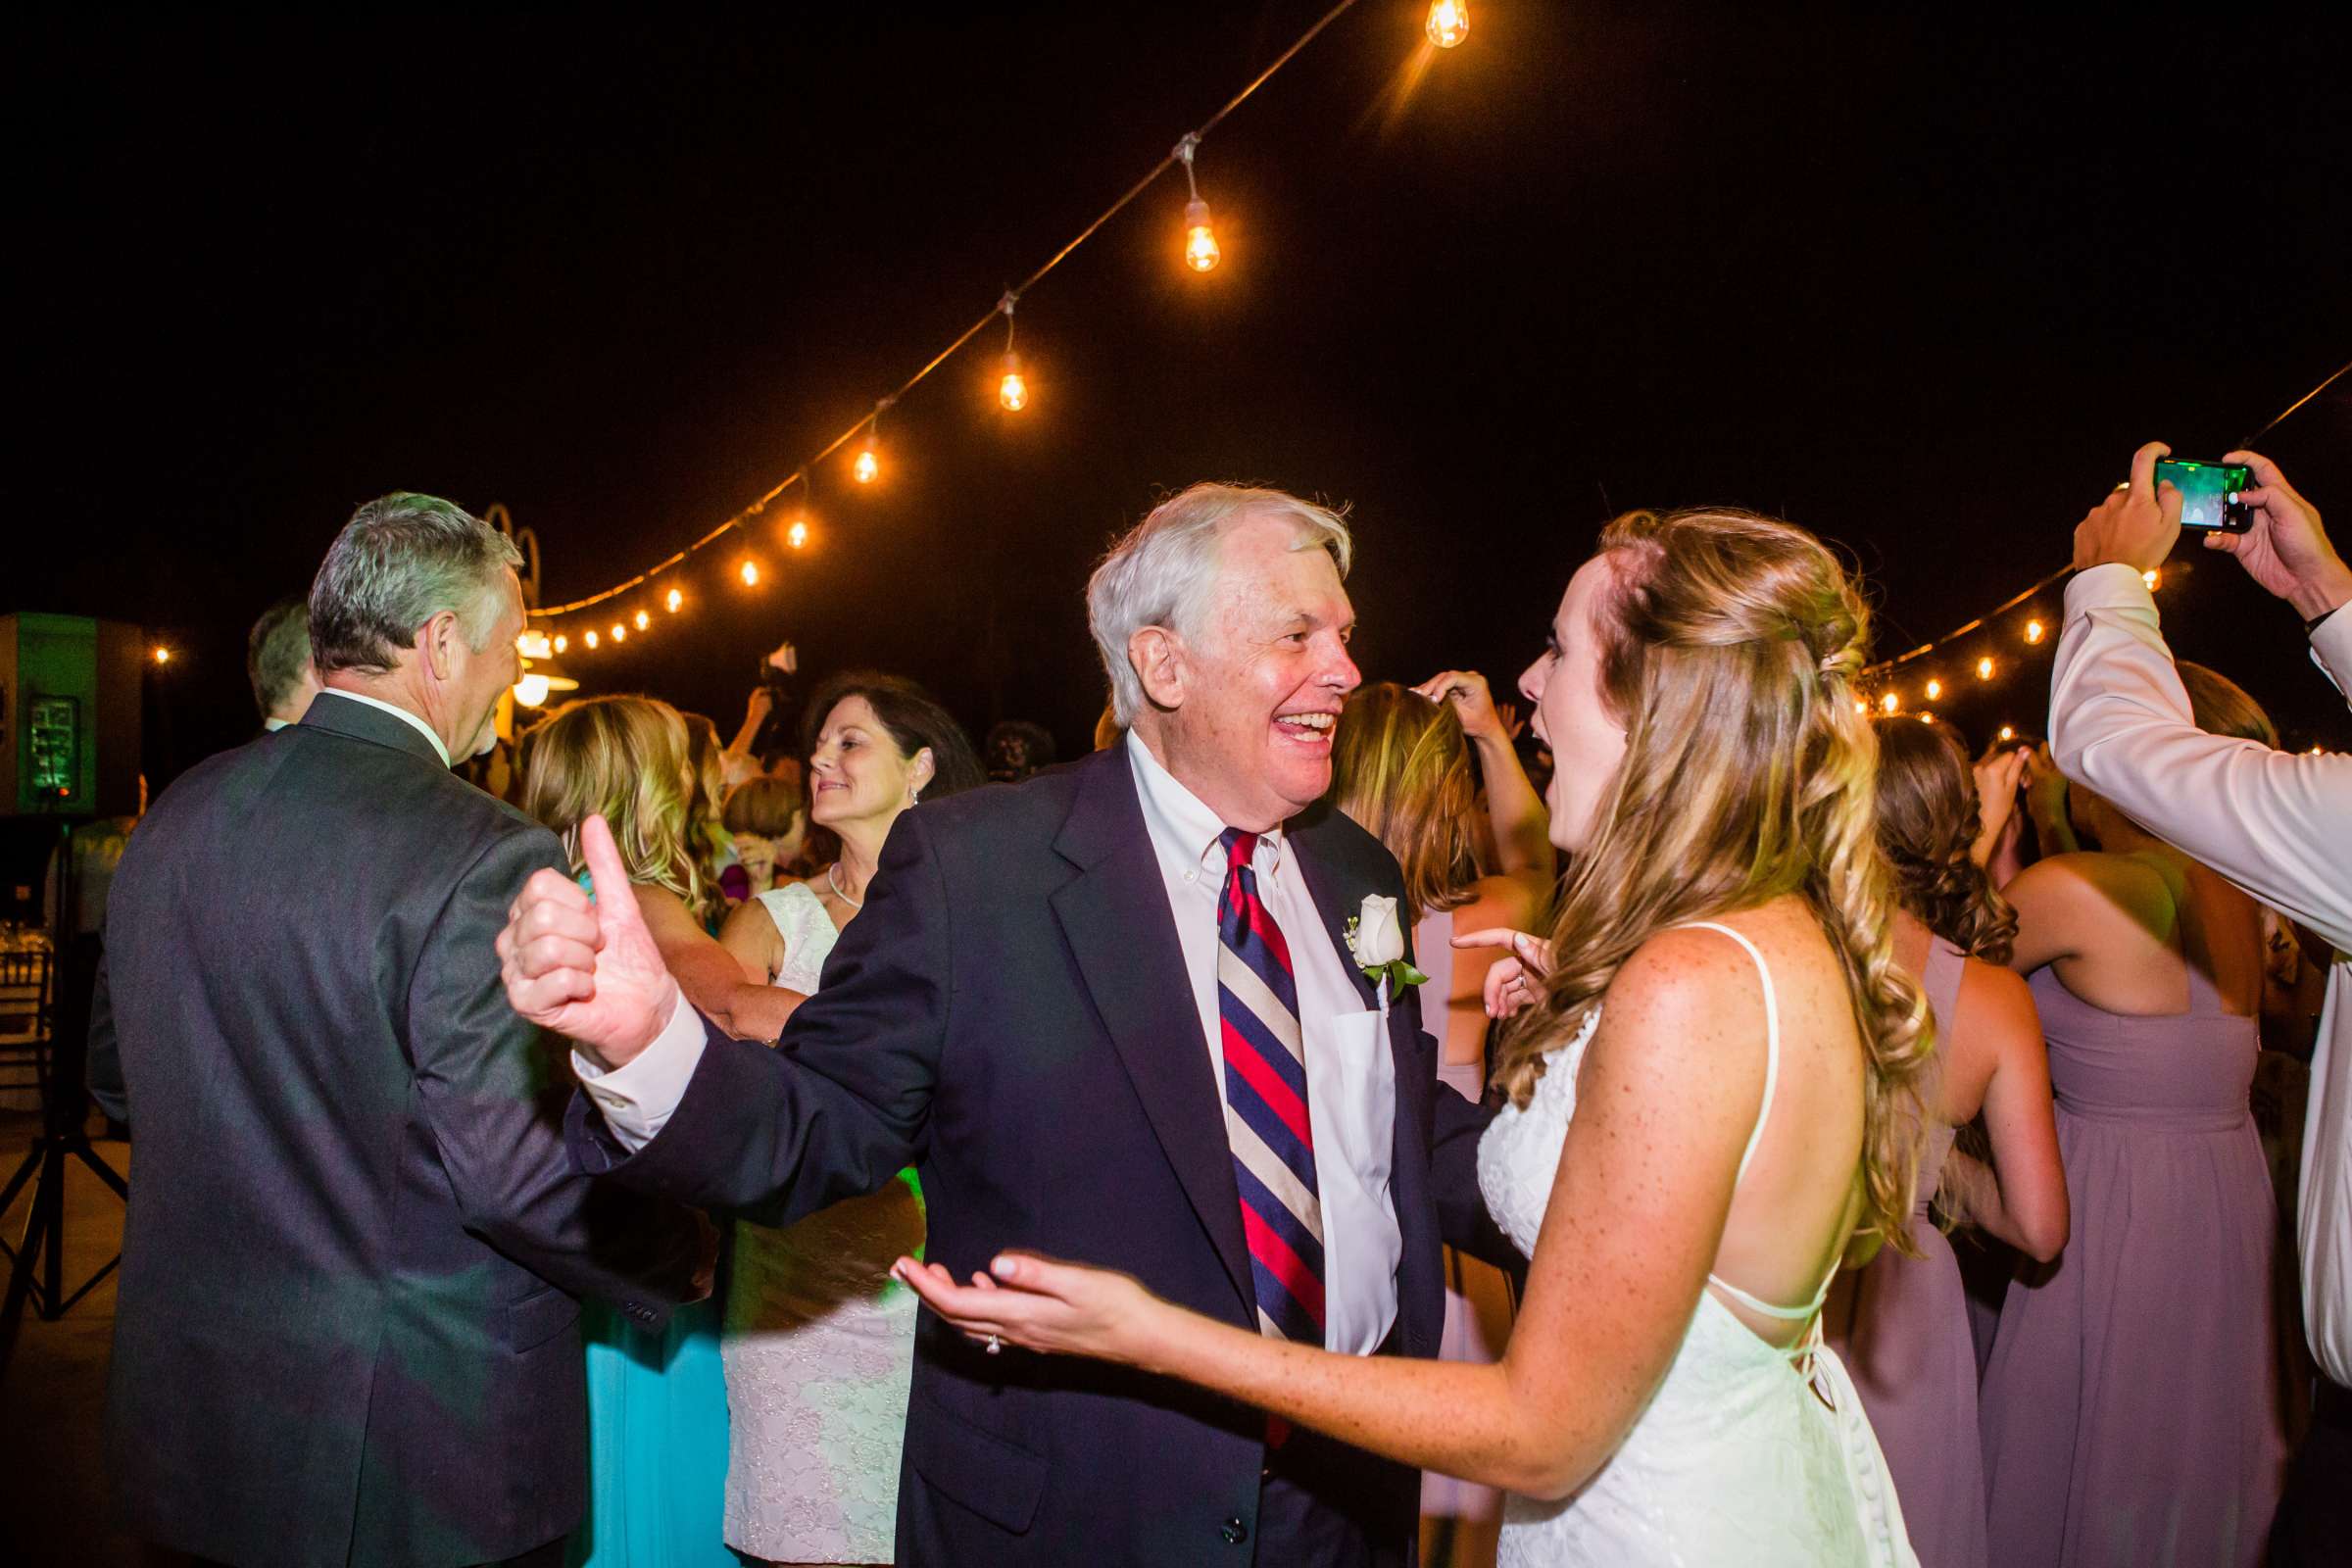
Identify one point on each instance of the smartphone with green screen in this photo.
(2209, 493)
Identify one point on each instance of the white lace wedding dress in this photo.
(1747, 1453)
(820, 1346)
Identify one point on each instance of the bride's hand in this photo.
(1514, 982)
(1040, 1306)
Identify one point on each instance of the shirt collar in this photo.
(1184, 828)
(407, 717)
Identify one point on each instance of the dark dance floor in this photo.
(51, 1488)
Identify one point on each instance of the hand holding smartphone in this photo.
(2209, 493)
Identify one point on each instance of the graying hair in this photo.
(275, 652)
(1160, 574)
(402, 559)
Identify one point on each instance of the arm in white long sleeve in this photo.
(2278, 825)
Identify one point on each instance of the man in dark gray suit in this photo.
(346, 1329)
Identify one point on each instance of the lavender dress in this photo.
(1908, 1347)
(2131, 1410)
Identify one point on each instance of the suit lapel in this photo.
(1117, 919)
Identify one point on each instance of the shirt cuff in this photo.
(2332, 647)
(637, 1100)
(2114, 585)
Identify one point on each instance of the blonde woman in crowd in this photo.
(1401, 768)
(1714, 1099)
(657, 1403)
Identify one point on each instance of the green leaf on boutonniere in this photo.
(1399, 972)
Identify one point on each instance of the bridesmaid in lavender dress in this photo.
(1401, 768)
(1901, 1322)
(2131, 1408)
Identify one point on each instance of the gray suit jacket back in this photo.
(347, 1329)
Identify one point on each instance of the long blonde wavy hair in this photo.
(1400, 768)
(1730, 644)
(625, 758)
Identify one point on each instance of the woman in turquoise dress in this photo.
(657, 1403)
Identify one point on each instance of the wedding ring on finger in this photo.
(993, 1345)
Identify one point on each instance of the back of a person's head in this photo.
(1929, 816)
(624, 758)
(768, 806)
(2220, 706)
(1728, 646)
(915, 722)
(1400, 768)
(402, 559)
(1017, 747)
(277, 652)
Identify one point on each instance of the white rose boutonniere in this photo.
(1376, 939)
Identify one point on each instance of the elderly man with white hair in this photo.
(1111, 1012)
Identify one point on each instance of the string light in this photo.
(750, 572)
(1012, 387)
(1201, 253)
(644, 620)
(620, 633)
(798, 534)
(562, 642)
(1448, 23)
(531, 690)
(869, 466)
(1984, 667)
(2035, 631)
(1891, 703)
(2008, 732)
(1934, 690)
(1861, 705)
(1926, 718)
(676, 600)
(590, 637)
(163, 655)
(2153, 577)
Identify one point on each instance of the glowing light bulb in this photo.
(644, 620)
(2035, 631)
(869, 466)
(1934, 690)
(1448, 23)
(562, 643)
(675, 601)
(1200, 250)
(1861, 705)
(2008, 732)
(1984, 667)
(750, 571)
(531, 690)
(620, 633)
(1013, 389)
(798, 534)
(2153, 577)
(163, 655)
(1890, 703)
(590, 639)
(1926, 718)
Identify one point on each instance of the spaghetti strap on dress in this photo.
(1747, 1452)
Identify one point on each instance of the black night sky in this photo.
(1917, 278)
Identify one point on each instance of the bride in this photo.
(1713, 1080)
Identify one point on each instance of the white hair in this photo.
(1160, 575)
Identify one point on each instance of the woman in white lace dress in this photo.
(1714, 1099)
(819, 1340)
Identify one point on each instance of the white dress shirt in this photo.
(2276, 825)
(272, 725)
(398, 711)
(1350, 1075)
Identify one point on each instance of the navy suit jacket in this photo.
(1010, 1014)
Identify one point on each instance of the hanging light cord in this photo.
(2015, 600)
(967, 334)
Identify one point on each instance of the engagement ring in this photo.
(995, 1346)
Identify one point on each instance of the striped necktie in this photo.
(1266, 1105)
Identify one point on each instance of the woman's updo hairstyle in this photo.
(1929, 817)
